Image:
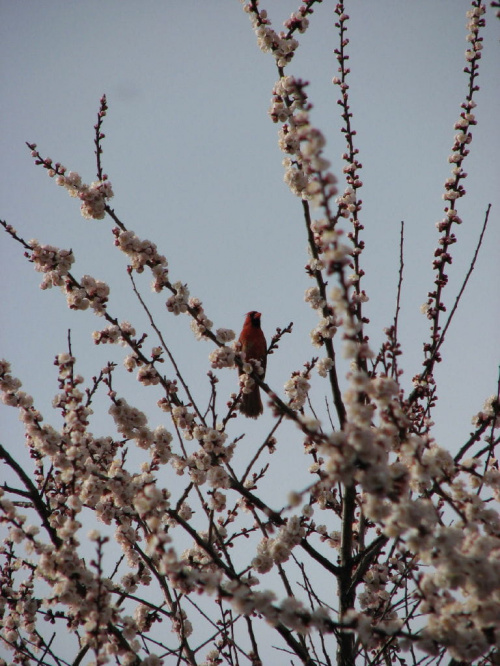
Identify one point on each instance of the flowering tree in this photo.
(392, 550)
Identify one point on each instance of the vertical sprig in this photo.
(349, 204)
(454, 190)
(99, 136)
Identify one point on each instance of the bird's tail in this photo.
(251, 403)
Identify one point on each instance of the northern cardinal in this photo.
(253, 343)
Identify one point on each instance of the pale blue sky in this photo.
(195, 167)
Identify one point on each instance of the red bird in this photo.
(253, 343)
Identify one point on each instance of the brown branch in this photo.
(34, 495)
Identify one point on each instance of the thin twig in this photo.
(398, 300)
(469, 273)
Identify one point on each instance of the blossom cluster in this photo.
(131, 423)
(222, 357)
(325, 330)
(92, 292)
(297, 389)
(489, 414)
(178, 302)
(124, 334)
(200, 323)
(94, 197)
(277, 551)
(375, 600)
(10, 387)
(114, 334)
(142, 253)
(224, 335)
(205, 464)
(281, 45)
(305, 166)
(475, 21)
(55, 264)
(52, 261)
(247, 383)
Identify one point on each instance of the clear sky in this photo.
(195, 167)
